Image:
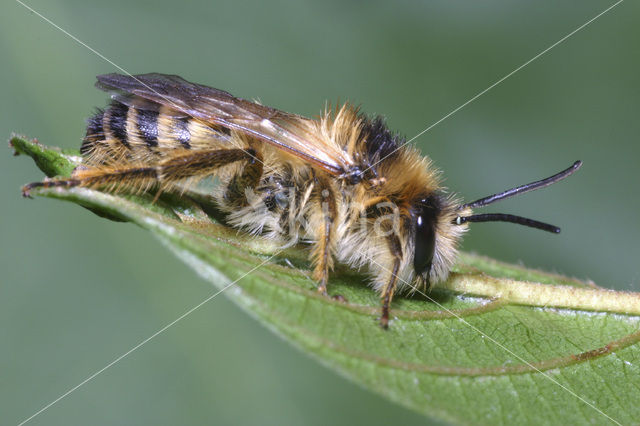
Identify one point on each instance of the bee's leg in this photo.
(142, 178)
(249, 177)
(26, 189)
(387, 293)
(321, 253)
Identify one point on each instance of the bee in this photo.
(342, 182)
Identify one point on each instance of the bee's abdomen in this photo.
(122, 132)
(95, 133)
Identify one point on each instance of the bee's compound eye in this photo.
(426, 215)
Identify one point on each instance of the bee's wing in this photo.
(289, 132)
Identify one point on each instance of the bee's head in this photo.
(439, 222)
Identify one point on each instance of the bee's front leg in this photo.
(387, 293)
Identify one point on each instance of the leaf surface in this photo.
(497, 344)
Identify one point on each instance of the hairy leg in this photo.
(321, 253)
(249, 177)
(387, 293)
(140, 178)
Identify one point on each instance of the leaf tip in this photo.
(16, 142)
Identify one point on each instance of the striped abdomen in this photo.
(127, 133)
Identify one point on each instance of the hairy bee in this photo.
(343, 182)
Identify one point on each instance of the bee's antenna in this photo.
(501, 217)
(520, 190)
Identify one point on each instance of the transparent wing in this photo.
(289, 132)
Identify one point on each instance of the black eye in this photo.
(426, 216)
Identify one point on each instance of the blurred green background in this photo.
(77, 291)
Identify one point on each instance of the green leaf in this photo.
(497, 343)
